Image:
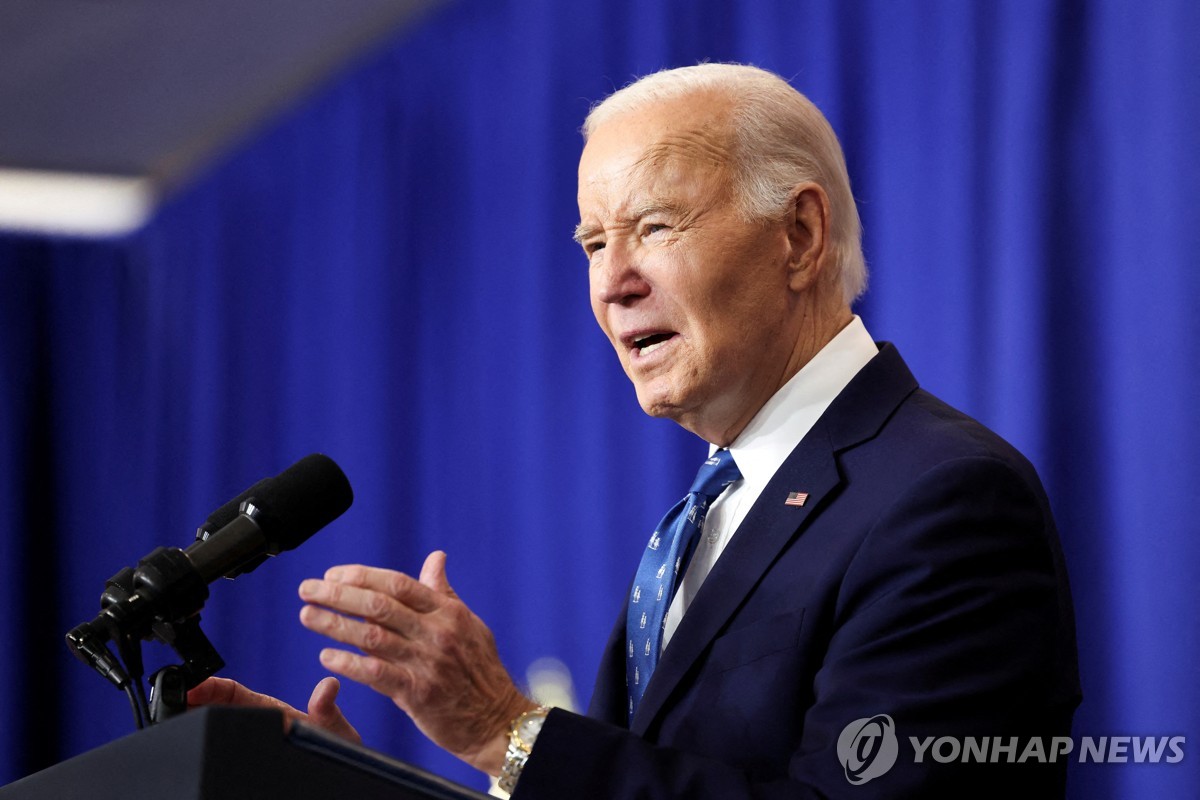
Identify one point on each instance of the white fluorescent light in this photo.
(73, 204)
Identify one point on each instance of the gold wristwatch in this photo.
(521, 736)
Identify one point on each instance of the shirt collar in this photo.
(790, 414)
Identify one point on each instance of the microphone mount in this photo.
(161, 599)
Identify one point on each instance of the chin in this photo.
(661, 402)
(656, 403)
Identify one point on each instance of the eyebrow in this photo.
(584, 232)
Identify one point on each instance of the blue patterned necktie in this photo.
(662, 567)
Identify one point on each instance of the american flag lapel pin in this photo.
(797, 499)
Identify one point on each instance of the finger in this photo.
(324, 697)
(403, 588)
(212, 690)
(371, 637)
(324, 713)
(223, 691)
(366, 603)
(388, 679)
(433, 574)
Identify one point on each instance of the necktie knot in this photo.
(715, 474)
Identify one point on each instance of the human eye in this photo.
(654, 229)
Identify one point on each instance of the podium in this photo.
(224, 753)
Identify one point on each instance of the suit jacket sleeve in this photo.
(948, 617)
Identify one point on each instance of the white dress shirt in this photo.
(765, 444)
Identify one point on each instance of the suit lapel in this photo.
(856, 415)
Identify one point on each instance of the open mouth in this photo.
(648, 344)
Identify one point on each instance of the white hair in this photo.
(779, 139)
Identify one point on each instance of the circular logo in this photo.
(867, 748)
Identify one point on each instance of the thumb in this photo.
(324, 713)
(433, 574)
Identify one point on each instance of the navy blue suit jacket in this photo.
(922, 579)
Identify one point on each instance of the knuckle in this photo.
(397, 584)
(377, 605)
(373, 637)
(334, 592)
(354, 574)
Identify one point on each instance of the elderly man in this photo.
(858, 569)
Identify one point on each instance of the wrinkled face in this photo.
(694, 299)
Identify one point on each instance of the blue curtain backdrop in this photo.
(386, 275)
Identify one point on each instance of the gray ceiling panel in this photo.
(143, 93)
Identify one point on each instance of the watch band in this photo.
(521, 736)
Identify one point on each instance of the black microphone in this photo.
(170, 585)
(273, 515)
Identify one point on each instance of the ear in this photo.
(808, 235)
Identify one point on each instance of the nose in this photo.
(617, 276)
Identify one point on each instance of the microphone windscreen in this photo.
(301, 500)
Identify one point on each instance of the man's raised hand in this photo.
(423, 648)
